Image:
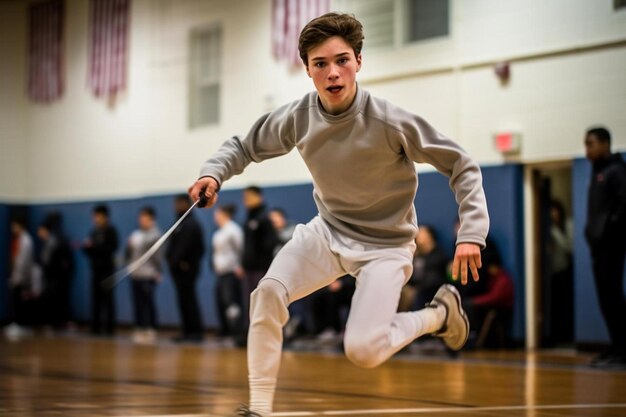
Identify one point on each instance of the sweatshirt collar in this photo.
(351, 112)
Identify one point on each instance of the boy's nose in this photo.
(333, 73)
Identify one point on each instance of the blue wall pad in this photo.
(435, 206)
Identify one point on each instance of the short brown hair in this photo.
(326, 26)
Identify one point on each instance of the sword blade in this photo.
(113, 280)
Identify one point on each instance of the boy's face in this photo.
(333, 66)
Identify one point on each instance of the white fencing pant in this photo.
(315, 257)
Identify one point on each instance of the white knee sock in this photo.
(268, 315)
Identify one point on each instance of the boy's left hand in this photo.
(466, 254)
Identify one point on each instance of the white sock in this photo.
(262, 396)
(431, 319)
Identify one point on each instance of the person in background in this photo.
(561, 277)
(260, 238)
(227, 251)
(145, 278)
(429, 269)
(100, 247)
(22, 281)
(284, 229)
(57, 264)
(260, 241)
(328, 304)
(184, 252)
(606, 225)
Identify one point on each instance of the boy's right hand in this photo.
(207, 186)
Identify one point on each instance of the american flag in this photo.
(109, 22)
(288, 19)
(45, 51)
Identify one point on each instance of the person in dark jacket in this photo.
(100, 246)
(185, 250)
(605, 229)
(57, 264)
(260, 238)
(259, 241)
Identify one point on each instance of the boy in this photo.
(360, 151)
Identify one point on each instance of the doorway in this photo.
(551, 254)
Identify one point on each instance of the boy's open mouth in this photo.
(334, 88)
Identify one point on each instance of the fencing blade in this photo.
(113, 280)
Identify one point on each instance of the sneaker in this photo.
(455, 329)
(603, 357)
(610, 360)
(244, 411)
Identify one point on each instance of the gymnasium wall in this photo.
(566, 55)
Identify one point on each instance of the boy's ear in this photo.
(306, 67)
(359, 60)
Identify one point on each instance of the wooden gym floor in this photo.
(75, 376)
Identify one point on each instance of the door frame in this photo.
(531, 234)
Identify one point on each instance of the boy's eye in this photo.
(319, 64)
(343, 60)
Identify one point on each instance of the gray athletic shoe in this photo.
(455, 329)
(244, 411)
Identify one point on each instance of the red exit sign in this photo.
(508, 142)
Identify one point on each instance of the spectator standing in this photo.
(561, 275)
(260, 241)
(57, 264)
(100, 247)
(22, 281)
(227, 252)
(145, 278)
(185, 250)
(606, 225)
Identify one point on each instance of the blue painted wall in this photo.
(589, 326)
(435, 205)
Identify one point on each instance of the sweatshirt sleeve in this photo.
(423, 144)
(271, 136)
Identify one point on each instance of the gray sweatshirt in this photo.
(362, 165)
(227, 248)
(23, 263)
(138, 243)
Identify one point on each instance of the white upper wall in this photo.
(13, 143)
(83, 148)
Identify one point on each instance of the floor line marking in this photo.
(449, 410)
(424, 410)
